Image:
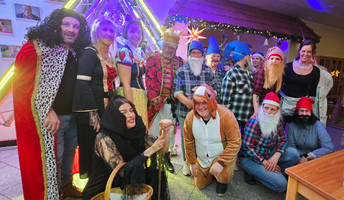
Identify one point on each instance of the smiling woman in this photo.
(94, 86)
(300, 79)
(130, 59)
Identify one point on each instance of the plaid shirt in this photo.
(258, 148)
(219, 74)
(237, 92)
(185, 81)
(258, 83)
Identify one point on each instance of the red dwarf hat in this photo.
(207, 94)
(305, 102)
(271, 98)
(275, 51)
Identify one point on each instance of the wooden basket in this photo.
(106, 194)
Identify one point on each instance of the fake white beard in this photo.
(196, 65)
(268, 122)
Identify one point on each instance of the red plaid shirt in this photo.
(259, 148)
(258, 83)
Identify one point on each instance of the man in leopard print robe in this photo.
(45, 73)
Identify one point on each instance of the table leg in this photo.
(292, 189)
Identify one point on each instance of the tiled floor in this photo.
(181, 187)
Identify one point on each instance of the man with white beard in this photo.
(269, 78)
(193, 74)
(264, 154)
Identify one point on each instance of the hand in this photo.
(165, 124)
(255, 114)
(51, 122)
(216, 169)
(157, 145)
(94, 120)
(194, 170)
(227, 67)
(302, 160)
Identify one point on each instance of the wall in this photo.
(7, 11)
(331, 42)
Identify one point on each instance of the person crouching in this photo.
(212, 140)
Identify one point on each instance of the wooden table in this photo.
(321, 178)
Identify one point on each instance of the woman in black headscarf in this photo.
(124, 138)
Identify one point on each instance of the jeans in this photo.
(66, 141)
(164, 113)
(181, 122)
(275, 181)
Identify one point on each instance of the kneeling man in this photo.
(212, 140)
(264, 154)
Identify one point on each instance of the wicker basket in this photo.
(147, 189)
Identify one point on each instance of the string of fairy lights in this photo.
(172, 19)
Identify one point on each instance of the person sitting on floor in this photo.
(212, 140)
(264, 154)
(307, 134)
(124, 138)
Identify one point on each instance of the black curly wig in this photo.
(49, 29)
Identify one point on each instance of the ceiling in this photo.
(327, 12)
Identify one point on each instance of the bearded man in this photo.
(189, 76)
(160, 70)
(213, 57)
(269, 78)
(237, 84)
(264, 154)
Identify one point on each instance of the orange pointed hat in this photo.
(205, 93)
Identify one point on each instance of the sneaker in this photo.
(167, 162)
(174, 150)
(186, 169)
(249, 179)
(70, 190)
(221, 189)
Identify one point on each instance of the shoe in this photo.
(167, 162)
(249, 179)
(186, 169)
(174, 150)
(221, 189)
(70, 190)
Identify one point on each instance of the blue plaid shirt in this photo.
(237, 92)
(219, 74)
(185, 81)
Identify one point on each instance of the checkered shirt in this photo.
(258, 148)
(258, 83)
(237, 92)
(219, 74)
(185, 81)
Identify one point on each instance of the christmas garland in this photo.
(172, 19)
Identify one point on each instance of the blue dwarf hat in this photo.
(195, 44)
(240, 50)
(213, 46)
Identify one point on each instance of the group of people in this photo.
(72, 88)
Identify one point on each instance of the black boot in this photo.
(221, 189)
(249, 179)
(167, 162)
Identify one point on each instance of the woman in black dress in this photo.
(124, 138)
(94, 87)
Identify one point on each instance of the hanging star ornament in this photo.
(194, 34)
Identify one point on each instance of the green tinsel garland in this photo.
(172, 19)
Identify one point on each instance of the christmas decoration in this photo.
(194, 34)
(172, 19)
